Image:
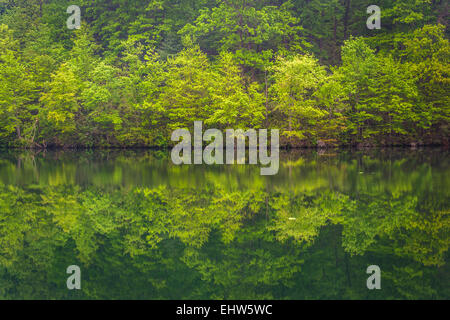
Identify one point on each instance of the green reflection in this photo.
(142, 228)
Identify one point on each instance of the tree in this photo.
(236, 103)
(61, 106)
(16, 103)
(426, 51)
(380, 92)
(295, 82)
(185, 97)
(252, 31)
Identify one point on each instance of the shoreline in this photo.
(283, 148)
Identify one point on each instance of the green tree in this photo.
(295, 83)
(381, 93)
(16, 100)
(236, 103)
(185, 97)
(252, 31)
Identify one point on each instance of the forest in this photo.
(141, 228)
(137, 70)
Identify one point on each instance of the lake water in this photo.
(140, 227)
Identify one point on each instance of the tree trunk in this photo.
(19, 136)
(266, 93)
(346, 17)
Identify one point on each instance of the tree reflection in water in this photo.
(142, 228)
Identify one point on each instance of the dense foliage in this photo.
(141, 228)
(136, 70)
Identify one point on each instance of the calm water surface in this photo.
(142, 228)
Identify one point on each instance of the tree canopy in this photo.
(137, 70)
